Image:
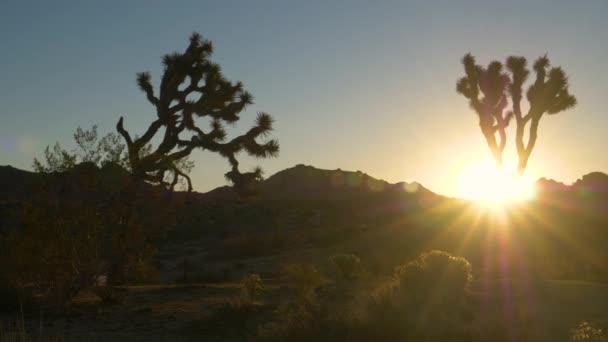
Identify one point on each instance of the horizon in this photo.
(377, 179)
(387, 107)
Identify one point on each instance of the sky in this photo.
(356, 85)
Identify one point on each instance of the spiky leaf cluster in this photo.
(193, 87)
(549, 94)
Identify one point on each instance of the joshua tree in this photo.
(193, 87)
(548, 94)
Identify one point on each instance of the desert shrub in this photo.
(427, 298)
(586, 331)
(345, 266)
(251, 287)
(441, 274)
(413, 305)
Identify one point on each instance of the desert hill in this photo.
(303, 182)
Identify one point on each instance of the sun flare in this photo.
(483, 182)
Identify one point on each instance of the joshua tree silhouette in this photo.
(548, 94)
(193, 87)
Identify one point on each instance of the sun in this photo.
(482, 181)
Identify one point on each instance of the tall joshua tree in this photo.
(193, 87)
(548, 94)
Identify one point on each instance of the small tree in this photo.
(193, 87)
(548, 94)
(89, 148)
(103, 151)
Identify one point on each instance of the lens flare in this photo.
(482, 181)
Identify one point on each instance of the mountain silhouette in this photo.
(17, 184)
(303, 182)
(593, 185)
(300, 182)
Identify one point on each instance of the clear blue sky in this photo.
(366, 85)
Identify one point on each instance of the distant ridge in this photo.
(304, 182)
(596, 182)
(16, 184)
